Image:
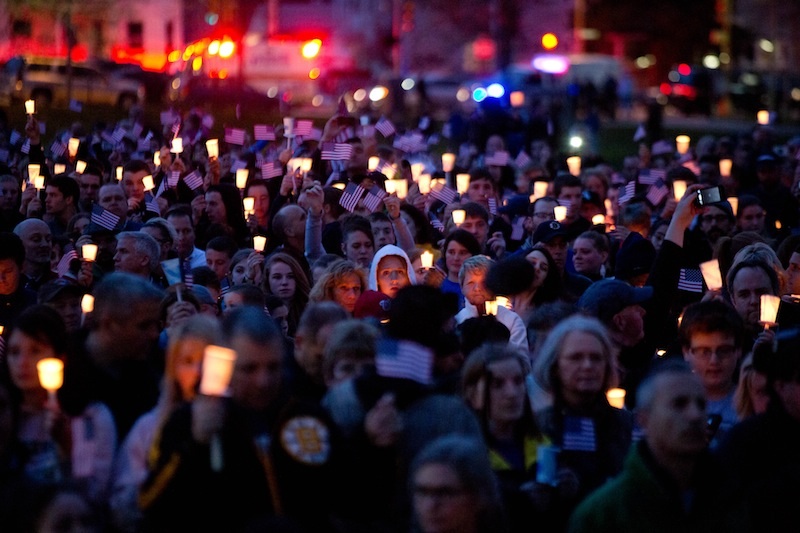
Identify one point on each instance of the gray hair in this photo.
(166, 228)
(119, 292)
(144, 244)
(546, 361)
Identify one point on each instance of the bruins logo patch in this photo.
(306, 440)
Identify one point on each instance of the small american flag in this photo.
(522, 159)
(142, 145)
(303, 128)
(628, 193)
(104, 218)
(374, 198)
(151, 204)
(367, 131)
(14, 138)
(63, 264)
(693, 166)
(691, 279)
(137, 130)
(345, 134)
(26, 147)
(118, 135)
(176, 128)
(162, 187)
(4, 155)
(497, 159)
(57, 149)
(651, 176)
(174, 177)
(193, 180)
(385, 126)
(579, 434)
(404, 359)
(271, 169)
(656, 193)
(336, 151)
(262, 132)
(443, 193)
(350, 196)
(234, 136)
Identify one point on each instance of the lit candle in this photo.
(89, 252)
(59, 168)
(462, 183)
(678, 189)
(616, 398)
(712, 274)
(80, 166)
(38, 182)
(401, 188)
(241, 178)
(390, 186)
(734, 201)
(72, 146)
(560, 212)
(339, 186)
(373, 163)
(502, 301)
(148, 183)
(459, 215)
(217, 370)
(33, 172)
(763, 117)
(51, 374)
(448, 162)
(598, 220)
(725, 167)
(539, 190)
(491, 307)
(427, 259)
(212, 147)
(682, 143)
(424, 184)
(249, 204)
(574, 165)
(119, 173)
(177, 145)
(157, 158)
(416, 170)
(516, 99)
(769, 309)
(305, 164)
(259, 243)
(30, 107)
(87, 304)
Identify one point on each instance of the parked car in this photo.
(46, 81)
(216, 93)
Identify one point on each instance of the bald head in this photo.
(37, 240)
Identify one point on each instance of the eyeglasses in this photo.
(723, 352)
(714, 218)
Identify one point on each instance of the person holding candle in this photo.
(390, 271)
(181, 377)
(180, 218)
(224, 215)
(748, 279)
(260, 221)
(576, 365)
(132, 183)
(62, 438)
(342, 282)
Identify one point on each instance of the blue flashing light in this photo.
(479, 94)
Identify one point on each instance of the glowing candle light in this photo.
(119, 173)
(678, 189)
(616, 398)
(424, 184)
(682, 143)
(89, 252)
(80, 166)
(212, 147)
(259, 243)
(462, 183)
(401, 188)
(711, 274)
(249, 204)
(574, 165)
(598, 220)
(373, 163)
(725, 166)
(416, 170)
(51, 373)
(734, 201)
(72, 146)
(763, 117)
(148, 183)
(241, 178)
(539, 190)
(157, 158)
(560, 212)
(177, 146)
(30, 107)
(87, 304)
(459, 215)
(448, 162)
(218, 365)
(769, 309)
(59, 168)
(427, 259)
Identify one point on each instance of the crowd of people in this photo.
(428, 334)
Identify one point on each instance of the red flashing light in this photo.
(665, 88)
(684, 69)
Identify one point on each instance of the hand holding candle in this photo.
(212, 147)
(30, 107)
(259, 243)
(89, 252)
(217, 371)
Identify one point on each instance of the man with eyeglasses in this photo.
(716, 221)
(712, 335)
